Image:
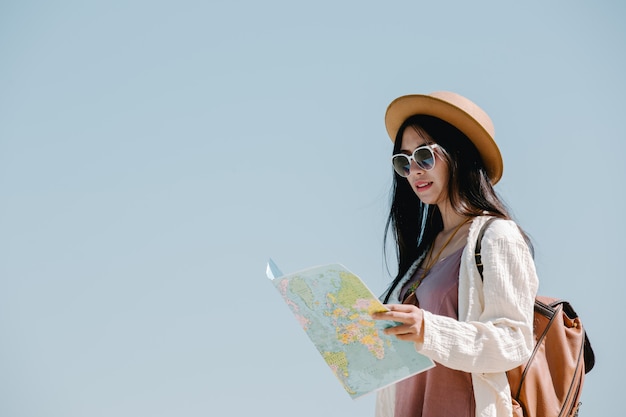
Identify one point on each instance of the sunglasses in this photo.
(424, 157)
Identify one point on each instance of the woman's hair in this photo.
(414, 224)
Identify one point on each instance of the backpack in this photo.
(550, 383)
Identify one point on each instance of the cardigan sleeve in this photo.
(498, 334)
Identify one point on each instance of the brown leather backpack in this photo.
(550, 383)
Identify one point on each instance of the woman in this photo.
(475, 329)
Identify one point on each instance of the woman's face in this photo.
(431, 187)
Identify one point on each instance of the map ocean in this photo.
(333, 306)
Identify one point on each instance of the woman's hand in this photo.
(411, 319)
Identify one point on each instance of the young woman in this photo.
(474, 328)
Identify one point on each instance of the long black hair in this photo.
(415, 225)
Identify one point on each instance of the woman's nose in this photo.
(414, 167)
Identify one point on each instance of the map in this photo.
(333, 306)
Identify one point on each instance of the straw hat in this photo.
(459, 112)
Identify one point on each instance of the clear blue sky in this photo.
(154, 154)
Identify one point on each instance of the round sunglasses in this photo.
(424, 157)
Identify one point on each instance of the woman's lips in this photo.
(422, 185)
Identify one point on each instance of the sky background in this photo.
(155, 154)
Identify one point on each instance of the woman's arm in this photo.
(500, 338)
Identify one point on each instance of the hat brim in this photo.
(459, 112)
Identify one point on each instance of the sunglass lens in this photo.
(402, 165)
(425, 158)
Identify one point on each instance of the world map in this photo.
(333, 306)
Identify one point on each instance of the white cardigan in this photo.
(494, 332)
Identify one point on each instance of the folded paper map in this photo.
(333, 306)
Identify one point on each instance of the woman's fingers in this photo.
(399, 330)
(409, 319)
(397, 312)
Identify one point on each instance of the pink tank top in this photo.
(440, 391)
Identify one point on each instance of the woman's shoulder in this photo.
(499, 229)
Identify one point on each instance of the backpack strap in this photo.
(477, 257)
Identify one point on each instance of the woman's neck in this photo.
(451, 219)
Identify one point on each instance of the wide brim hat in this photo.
(457, 110)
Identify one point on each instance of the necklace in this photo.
(432, 261)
